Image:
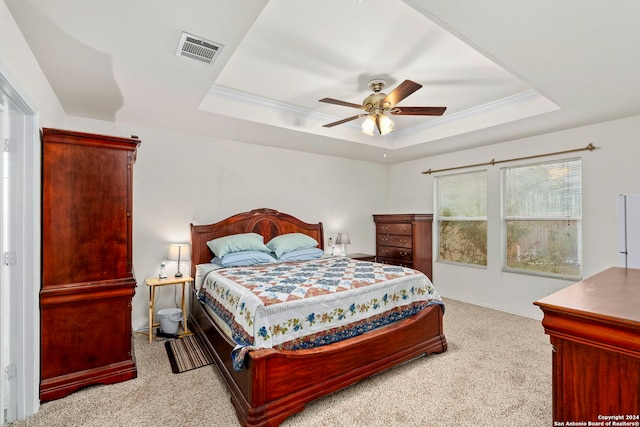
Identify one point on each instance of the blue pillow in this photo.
(290, 242)
(302, 254)
(244, 259)
(237, 243)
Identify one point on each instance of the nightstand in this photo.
(362, 257)
(154, 282)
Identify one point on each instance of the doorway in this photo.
(19, 253)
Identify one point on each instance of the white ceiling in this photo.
(503, 69)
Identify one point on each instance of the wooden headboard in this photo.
(266, 222)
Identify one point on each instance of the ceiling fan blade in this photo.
(403, 90)
(338, 102)
(418, 111)
(339, 122)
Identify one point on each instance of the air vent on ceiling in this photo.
(197, 48)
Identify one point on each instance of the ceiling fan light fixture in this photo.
(369, 125)
(377, 120)
(378, 105)
(386, 124)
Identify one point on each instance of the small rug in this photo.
(187, 353)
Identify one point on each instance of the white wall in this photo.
(181, 179)
(607, 172)
(17, 58)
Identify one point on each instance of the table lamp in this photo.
(179, 252)
(343, 240)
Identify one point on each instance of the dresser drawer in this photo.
(394, 240)
(392, 261)
(397, 228)
(397, 253)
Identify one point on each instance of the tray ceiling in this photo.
(504, 70)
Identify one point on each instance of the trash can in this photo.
(169, 320)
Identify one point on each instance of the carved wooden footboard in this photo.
(278, 383)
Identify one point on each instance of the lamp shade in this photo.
(368, 125)
(179, 252)
(386, 124)
(343, 239)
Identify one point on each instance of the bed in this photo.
(274, 383)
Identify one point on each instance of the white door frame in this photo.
(24, 241)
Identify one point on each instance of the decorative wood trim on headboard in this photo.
(269, 223)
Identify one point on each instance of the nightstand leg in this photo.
(185, 329)
(152, 291)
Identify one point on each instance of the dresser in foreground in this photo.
(594, 328)
(87, 271)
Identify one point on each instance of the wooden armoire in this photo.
(87, 272)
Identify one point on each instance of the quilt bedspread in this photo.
(306, 304)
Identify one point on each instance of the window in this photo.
(542, 211)
(461, 215)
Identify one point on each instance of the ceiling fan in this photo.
(379, 105)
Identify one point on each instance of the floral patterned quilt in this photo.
(307, 304)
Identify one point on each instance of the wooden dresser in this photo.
(594, 328)
(87, 271)
(405, 239)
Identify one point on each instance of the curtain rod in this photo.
(589, 147)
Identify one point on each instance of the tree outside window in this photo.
(542, 212)
(461, 217)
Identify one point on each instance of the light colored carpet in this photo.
(497, 372)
